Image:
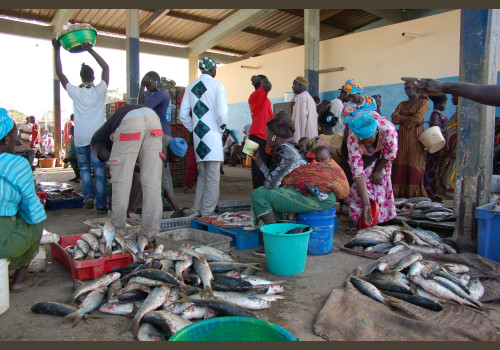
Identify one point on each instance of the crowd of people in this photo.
(325, 152)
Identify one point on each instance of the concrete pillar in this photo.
(193, 67)
(57, 114)
(133, 79)
(479, 35)
(311, 43)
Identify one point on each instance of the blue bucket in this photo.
(323, 224)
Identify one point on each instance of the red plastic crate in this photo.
(86, 269)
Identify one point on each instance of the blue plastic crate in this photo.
(242, 239)
(488, 242)
(65, 203)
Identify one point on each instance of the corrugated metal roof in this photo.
(182, 26)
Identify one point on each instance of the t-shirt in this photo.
(67, 133)
(159, 101)
(102, 137)
(261, 110)
(88, 107)
(35, 133)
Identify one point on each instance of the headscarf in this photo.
(178, 146)
(6, 123)
(302, 80)
(351, 109)
(352, 86)
(207, 63)
(364, 126)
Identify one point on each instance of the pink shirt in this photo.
(67, 134)
(305, 117)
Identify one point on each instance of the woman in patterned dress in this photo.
(445, 183)
(371, 137)
(437, 118)
(409, 165)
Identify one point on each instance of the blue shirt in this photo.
(17, 190)
(159, 101)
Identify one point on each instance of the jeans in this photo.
(85, 159)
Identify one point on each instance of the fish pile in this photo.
(425, 283)
(392, 239)
(169, 289)
(68, 27)
(422, 208)
(242, 218)
(103, 241)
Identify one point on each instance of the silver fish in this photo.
(146, 281)
(400, 277)
(113, 288)
(407, 261)
(169, 254)
(396, 248)
(456, 268)
(167, 264)
(181, 266)
(90, 255)
(148, 332)
(457, 290)
(132, 285)
(142, 242)
(203, 270)
(194, 312)
(423, 249)
(239, 299)
(439, 290)
(370, 290)
(476, 289)
(96, 232)
(190, 251)
(92, 241)
(154, 300)
(83, 246)
(103, 281)
(115, 307)
(167, 321)
(89, 304)
(213, 254)
(109, 233)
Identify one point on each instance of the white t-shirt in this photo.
(89, 110)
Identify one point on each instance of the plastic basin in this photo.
(375, 212)
(286, 254)
(72, 41)
(232, 328)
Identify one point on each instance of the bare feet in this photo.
(22, 285)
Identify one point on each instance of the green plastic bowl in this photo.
(232, 328)
(72, 41)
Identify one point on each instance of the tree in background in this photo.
(19, 117)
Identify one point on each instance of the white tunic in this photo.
(204, 111)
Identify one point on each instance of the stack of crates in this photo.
(178, 170)
(112, 107)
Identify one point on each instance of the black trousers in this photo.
(257, 175)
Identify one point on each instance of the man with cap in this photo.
(304, 115)
(336, 107)
(132, 137)
(204, 112)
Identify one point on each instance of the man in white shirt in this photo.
(336, 107)
(304, 115)
(88, 105)
(204, 112)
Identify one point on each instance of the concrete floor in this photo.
(305, 293)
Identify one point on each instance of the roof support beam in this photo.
(285, 36)
(226, 28)
(394, 16)
(152, 19)
(61, 18)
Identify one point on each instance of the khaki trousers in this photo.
(207, 188)
(132, 141)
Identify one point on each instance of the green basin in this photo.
(72, 41)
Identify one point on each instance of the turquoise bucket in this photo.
(323, 224)
(232, 328)
(285, 254)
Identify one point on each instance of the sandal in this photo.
(29, 281)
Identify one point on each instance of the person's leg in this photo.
(211, 193)
(67, 146)
(149, 158)
(83, 159)
(200, 187)
(100, 181)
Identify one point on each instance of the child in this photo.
(303, 142)
(322, 154)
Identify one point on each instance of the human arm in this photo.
(185, 113)
(485, 94)
(30, 207)
(58, 65)
(284, 161)
(411, 121)
(396, 116)
(142, 89)
(221, 105)
(434, 119)
(365, 200)
(104, 66)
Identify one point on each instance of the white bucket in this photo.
(432, 139)
(4, 285)
(250, 147)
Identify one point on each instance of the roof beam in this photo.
(152, 19)
(226, 28)
(61, 18)
(394, 16)
(285, 36)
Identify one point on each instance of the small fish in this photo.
(204, 271)
(228, 266)
(148, 332)
(434, 288)
(154, 300)
(155, 275)
(370, 290)
(91, 303)
(181, 266)
(50, 308)
(405, 262)
(378, 248)
(168, 254)
(476, 289)
(364, 242)
(456, 268)
(423, 249)
(226, 308)
(194, 312)
(103, 281)
(91, 240)
(144, 281)
(396, 248)
(168, 322)
(96, 232)
(400, 277)
(192, 252)
(133, 295)
(133, 285)
(113, 289)
(214, 254)
(454, 280)
(457, 290)
(83, 246)
(142, 242)
(109, 233)
(391, 286)
(115, 307)
(417, 300)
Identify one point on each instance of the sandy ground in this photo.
(305, 293)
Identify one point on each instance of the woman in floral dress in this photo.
(373, 144)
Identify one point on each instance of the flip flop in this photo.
(351, 231)
(33, 278)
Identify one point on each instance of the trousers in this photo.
(207, 190)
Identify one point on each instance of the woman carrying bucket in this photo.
(21, 213)
(373, 144)
(273, 198)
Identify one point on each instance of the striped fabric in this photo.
(17, 190)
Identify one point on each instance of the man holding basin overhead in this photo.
(292, 185)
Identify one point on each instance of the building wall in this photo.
(377, 58)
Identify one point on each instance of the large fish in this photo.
(225, 307)
(457, 290)
(148, 332)
(379, 248)
(168, 254)
(476, 289)
(50, 308)
(156, 275)
(92, 241)
(370, 290)
(391, 286)
(423, 249)
(405, 262)
(109, 233)
(83, 246)
(91, 303)
(154, 300)
(103, 281)
(242, 300)
(214, 254)
(168, 322)
(440, 291)
(400, 277)
(116, 307)
(203, 270)
(228, 266)
(194, 312)
(417, 300)
(453, 279)
(364, 242)
(230, 284)
(181, 266)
